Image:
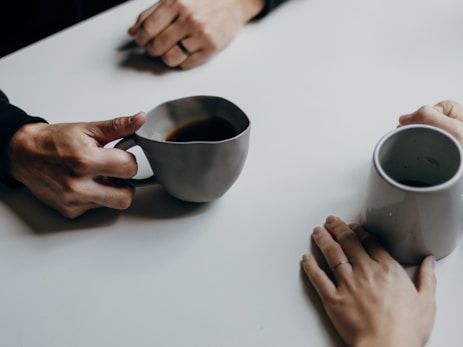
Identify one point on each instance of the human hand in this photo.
(67, 167)
(372, 301)
(447, 115)
(186, 33)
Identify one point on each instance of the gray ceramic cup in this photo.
(413, 200)
(196, 170)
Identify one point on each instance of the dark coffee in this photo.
(205, 129)
(415, 183)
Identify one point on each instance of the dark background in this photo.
(23, 22)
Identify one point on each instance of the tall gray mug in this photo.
(413, 199)
(196, 146)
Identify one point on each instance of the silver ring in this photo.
(339, 264)
(183, 48)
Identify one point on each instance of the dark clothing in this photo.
(269, 6)
(23, 22)
(11, 119)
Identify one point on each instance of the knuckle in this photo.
(146, 28)
(72, 212)
(131, 170)
(210, 41)
(192, 21)
(153, 49)
(346, 237)
(79, 165)
(423, 111)
(128, 164)
(117, 124)
(125, 199)
(170, 60)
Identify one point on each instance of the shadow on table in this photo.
(315, 302)
(136, 58)
(149, 202)
(152, 202)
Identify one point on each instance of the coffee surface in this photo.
(205, 129)
(415, 183)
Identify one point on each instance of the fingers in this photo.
(110, 193)
(97, 161)
(159, 28)
(186, 33)
(107, 131)
(450, 108)
(428, 115)
(426, 279)
(447, 115)
(321, 282)
(72, 197)
(340, 243)
(200, 57)
(178, 54)
(141, 18)
(151, 22)
(347, 239)
(112, 162)
(332, 251)
(371, 245)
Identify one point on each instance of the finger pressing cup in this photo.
(183, 48)
(196, 146)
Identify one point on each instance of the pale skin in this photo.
(204, 27)
(370, 299)
(67, 167)
(447, 115)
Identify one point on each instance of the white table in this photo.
(321, 81)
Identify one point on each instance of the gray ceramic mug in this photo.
(413, 201)
(202, 160)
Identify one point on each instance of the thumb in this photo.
(426, 280)
(110, 130)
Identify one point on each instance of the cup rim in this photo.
(437, 187)
(240, 133)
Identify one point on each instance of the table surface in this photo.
(321, 81)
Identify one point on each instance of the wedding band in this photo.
(339, 264)
(183, 48)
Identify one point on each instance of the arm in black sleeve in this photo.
(269, 6)
(11, 119)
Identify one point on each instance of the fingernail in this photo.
(316, 230)
(331, 219)
(430, 261)
(305, 258)
(132, 118)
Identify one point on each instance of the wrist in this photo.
(21, 144)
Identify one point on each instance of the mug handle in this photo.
(125, 144)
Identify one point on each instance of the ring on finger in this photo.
(183, 48)
(345, 261)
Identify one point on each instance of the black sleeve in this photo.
(269, 6)
(11, 119)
